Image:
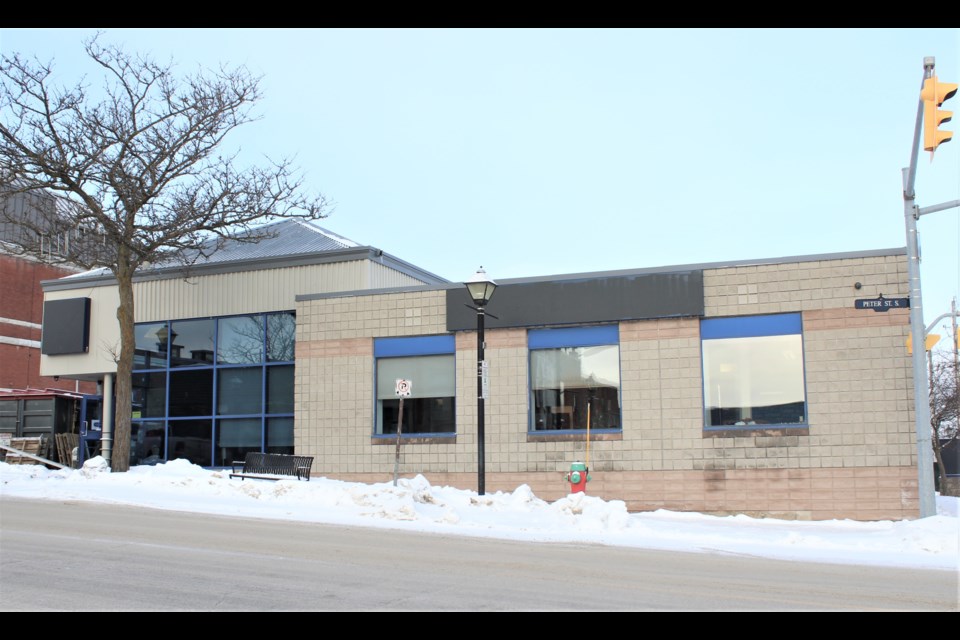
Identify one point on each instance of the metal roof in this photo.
(283, 238)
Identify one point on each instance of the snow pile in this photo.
(415, 504)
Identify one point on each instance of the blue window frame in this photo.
(211, 389)
(753, 372)
(575, 378)
(429, 362)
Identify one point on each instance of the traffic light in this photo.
(933, 95)
(929, 342)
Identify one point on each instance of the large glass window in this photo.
(280, 435)
(150, 351)
(753, 371)
(281, 337)
(191, 393)
(191, 439)
(149, 394)
(280, 389)
(429, 363)
(574, 378)
(191, 343)
(238, 369)
(236, 438)
(147, 442)
(240, 340)
(239, 390)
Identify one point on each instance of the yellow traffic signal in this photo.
(931, 340)
(933, 95)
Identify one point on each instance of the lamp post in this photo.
(481, 290)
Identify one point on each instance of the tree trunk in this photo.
(948, 486)
(123, 388)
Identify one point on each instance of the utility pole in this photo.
(932, 95)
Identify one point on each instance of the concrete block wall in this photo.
(856, 458)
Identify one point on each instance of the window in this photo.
(281, 337)
(239, 390)
(149, 394)
(151, 345)
(240, 340)
(211, 389)
(753, 371)
(574, 378)
(429, 362)
(191, 343)
(236, 438)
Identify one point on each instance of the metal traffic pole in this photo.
(911, 213)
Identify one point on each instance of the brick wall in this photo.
(21, 314)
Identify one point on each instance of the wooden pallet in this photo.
(36, 446)
(66, 443)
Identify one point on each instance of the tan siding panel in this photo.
(383, 277)
(243, 292)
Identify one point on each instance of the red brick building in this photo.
(21, 315)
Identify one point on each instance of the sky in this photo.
(416, 505)
(547, 151)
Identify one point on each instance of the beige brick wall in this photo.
(802, 286)
(859, 397)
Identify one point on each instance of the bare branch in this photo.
(137, 178)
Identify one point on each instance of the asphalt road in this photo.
(67, 556)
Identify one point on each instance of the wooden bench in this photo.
(273, 466)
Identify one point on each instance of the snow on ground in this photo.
(416, 505)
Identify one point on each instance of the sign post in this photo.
(402, 391)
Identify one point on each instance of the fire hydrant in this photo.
(578, 477)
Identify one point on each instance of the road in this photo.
(67, 556)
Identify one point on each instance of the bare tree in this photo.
(137, 174)
(944, 409)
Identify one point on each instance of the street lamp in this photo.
(481, 290)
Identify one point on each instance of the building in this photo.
(751, 387)
(21, 303)
(215, 341)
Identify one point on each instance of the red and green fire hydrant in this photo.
(578, 477)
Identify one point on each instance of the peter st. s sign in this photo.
(882, 304)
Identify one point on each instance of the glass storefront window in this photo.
(280, 389)
(566, 383)
(281, 337)
(431, 406)
(239, 390)
(186, 374)
(191, 393)
(240, 340)
(235, 438)
(575, 377)
(149, 394)
(150, 351)
(191, 343)
(147, 442)
(192, 440)
(280, 435)
(753, 371)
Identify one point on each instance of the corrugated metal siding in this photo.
(383, 277)
(243, 292)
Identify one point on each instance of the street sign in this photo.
(404, 387)
(484, 379)
(882, 304)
